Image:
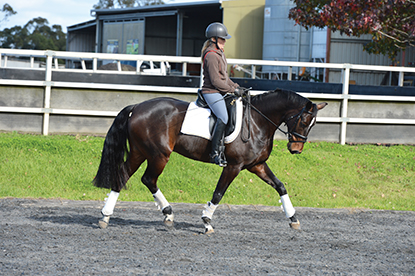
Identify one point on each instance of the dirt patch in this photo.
(60, 237)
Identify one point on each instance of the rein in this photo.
(290, 134)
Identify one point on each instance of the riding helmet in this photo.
(217, 30)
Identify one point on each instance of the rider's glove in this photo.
(239, 92)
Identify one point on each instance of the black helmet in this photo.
(217, 30)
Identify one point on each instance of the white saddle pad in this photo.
(196, 122)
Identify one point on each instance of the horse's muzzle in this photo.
(295, 148)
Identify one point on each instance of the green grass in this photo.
(326, 175)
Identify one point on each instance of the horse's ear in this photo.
(321, 105)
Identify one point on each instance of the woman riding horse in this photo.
(216, 84)
(151, 131)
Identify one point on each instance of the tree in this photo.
(8, 11)
(111, 4)
(35, 35)
(390, 22)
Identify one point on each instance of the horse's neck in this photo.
(274, 107)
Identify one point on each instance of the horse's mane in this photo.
(271, 98)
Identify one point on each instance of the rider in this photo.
(216, 84)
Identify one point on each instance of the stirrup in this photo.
(218, 160)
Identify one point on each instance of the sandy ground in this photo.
(61, 237)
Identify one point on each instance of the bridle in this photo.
(289, 134)
(293, 132)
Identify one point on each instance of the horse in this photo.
(151, 131)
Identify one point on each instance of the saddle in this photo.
(230, 106)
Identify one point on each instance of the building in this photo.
(285, 41)
(260, 29)
(170, 29)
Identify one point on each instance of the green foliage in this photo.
(325, 175)
(35, 35)
(391, 23)
(7, 11)
(111, 4)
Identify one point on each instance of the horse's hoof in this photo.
(209, 231)
(168, 217)
(295, 225)
(103, 223)
(168, 223)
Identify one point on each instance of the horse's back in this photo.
(159, 107)
(157, 120)
(162, 102)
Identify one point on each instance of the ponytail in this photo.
(205, 46)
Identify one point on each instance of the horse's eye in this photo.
(303, 122)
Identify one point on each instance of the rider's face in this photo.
(221, 43)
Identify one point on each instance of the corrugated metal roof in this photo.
(82, 25)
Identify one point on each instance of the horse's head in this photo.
(299, 124)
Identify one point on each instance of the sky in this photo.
(61, 12)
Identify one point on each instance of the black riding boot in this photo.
(217, 155)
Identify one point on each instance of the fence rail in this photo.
(52, 64)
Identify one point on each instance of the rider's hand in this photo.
(238, 92)
(242, 91)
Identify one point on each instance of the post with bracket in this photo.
(345, 102)
(48, 86)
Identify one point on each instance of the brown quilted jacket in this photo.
(215, 75)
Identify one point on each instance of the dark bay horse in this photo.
(152, 131)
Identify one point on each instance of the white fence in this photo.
(52, 64)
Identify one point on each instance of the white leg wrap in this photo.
(210, 209)
(110, 203)
(161, 201)
(287, 206)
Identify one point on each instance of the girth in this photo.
(230, 106)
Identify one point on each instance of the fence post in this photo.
(184, 69)
(290, 73)
(48, 85)
(345, 102)
(401, 78)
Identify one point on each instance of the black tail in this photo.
(111, 174)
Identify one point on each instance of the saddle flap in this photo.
(200, 121)
(200, 101)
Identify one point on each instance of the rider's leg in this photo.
(217, 154)
(218, 107)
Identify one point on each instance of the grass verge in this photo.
(326, 175)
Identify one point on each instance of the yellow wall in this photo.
(244, 20)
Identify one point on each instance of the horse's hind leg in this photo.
(108, 209)
(165, 207)
(130, 166)
(154, 169)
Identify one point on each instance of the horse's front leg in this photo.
(228, 175)
(264, 172)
